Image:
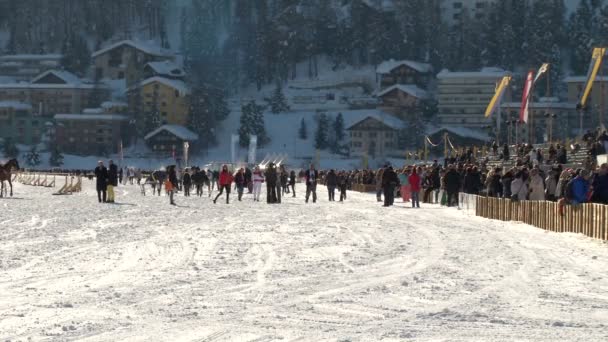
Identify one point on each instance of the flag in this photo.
(500, 90)
(594, 67)
(525, 100)
(543, 69)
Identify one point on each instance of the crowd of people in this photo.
(535, 175)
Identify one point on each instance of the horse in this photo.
(5, 175)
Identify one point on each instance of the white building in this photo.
(464, 96)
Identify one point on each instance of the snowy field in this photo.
(140, 270)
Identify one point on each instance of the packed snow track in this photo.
(141, 270)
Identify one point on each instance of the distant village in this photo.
(41, 103)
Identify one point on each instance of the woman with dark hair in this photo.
(225, 181)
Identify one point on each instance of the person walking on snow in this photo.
(187, 181)
(389, 182)
(271, 184)
(415, 185)
(171, 183)
(258, 179)
(112, 180)
(311, 176)
(331, 181)
(342, 185)
(101, 175)
(240, 182)
(225, 182)
(292, 182)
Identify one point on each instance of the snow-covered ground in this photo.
(140, 270)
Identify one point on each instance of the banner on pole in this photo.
(500, 90)
(543, 69)
(253, 146)
(594, 67)
(525, 101)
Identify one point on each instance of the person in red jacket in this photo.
(225, 182)
(414, 181)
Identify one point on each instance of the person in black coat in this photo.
(240, 183)
(187, 181)
(271, 184)
(101, 173)
(311, 175)
(389, 182)
(331, 181)
(112, 180)
(452, 185)
(248, 180)
(292, 182)
(174, 183)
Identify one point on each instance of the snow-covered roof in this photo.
(93, 111)
(387, 66)
(150, 48)
(27, 85)
(177, 130)
(104, 117)
(15, 105)
(178, 85)
(113, 104)
(167, 68)
(66, 76)
(353, 118)
(583, 79)
(460, 131)
(411, 89)
(488, 72)
(31, 57)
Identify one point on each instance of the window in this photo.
(388, 145)
(164, 104)
(457, 5)
(115, 58)
(121, 75)
(177, 93)
(373, 134)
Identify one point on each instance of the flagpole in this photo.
(531, 116)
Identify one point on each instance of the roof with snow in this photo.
(177, 130)
(353, 118)
(460, 131)
(31, 57)
(178, 85)
(113, 104)
(583, 79)
(410, 89)
(15, 105)
(65, 76)
(100, 117)
(167, 68)
(149, 47)
(387, 66)
(488, 72)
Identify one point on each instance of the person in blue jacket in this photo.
(578, 188)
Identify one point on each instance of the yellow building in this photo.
(170, 98)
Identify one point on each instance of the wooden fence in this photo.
(588, 219)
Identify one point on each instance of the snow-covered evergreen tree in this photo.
(252, 123)
(322, 134)
(76, 55)
(278, 101)
(56, 157)
(32, 158)
(208, 108)
(580, 37)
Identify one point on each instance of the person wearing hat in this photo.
(101, 175)
(112, 180)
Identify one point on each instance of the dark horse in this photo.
(5, 174)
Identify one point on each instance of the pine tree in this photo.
(321, 136)
(338, 127)
(208, 108)
(579, 29)
(56, 157)
(32, 158)
(76, 55)
(303, 131)
(278, 102)
(252, 123)
(10, 149)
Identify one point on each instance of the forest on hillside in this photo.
(230, 43)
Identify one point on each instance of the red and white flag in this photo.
(525, 102)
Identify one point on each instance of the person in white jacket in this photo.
(519, 188)
(537, 186)
(258, 178)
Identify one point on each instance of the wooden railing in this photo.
(588, 219)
